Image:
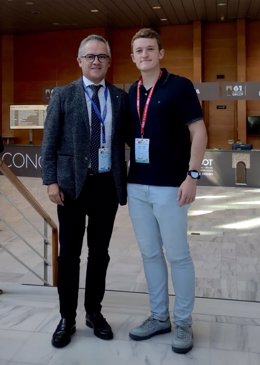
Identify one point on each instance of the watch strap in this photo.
(194, 174)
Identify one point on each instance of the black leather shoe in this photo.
(62, 335)
(100, 326)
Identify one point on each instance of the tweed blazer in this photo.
(66, 139)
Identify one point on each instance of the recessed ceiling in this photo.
(21, 16)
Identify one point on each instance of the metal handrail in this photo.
(38, 208)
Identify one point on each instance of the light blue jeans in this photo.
(160, 226)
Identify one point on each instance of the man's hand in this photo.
(187, 191)
(55, 194)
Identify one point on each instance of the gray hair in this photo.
(93, 37)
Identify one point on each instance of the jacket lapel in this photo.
(80, 101)
(115, 104)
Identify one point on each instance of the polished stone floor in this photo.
(224, 231)
(225, 332)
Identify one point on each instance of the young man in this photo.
(167, 148)
(83, 164)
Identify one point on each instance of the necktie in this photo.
(95, 129)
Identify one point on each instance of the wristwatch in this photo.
(194, 174)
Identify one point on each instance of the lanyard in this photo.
(100, 116)
(149, 97)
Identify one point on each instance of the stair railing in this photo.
(47, 222)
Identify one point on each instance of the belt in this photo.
(92, 173)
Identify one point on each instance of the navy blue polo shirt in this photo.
(173, 106)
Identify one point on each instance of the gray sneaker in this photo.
(182, 340)
(149, 328)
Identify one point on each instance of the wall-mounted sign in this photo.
(220, 90)
(207, 90)
(233, 90)
(228, 90)
(218, 166)
(253, 90)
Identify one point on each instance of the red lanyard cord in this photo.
(149, 97)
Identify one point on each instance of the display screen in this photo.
(253, 125)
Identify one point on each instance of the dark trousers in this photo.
(99, 202)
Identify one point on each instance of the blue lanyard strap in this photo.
(100, 116)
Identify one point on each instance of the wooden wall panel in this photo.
(240, 123)
(219, 51)
(124, 70)
(7, 89)
(197, 49)
(253, 51)
(33, 62)
(1, 81)
(40, 61)
(220, 58)
(178, 44)
(221, 127)
(46, 59)
(253, 71)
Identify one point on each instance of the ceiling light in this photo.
(156, 7)
(94, 10)
(163, 19)
(221, 4)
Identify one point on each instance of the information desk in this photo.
(231, 168)
(219, 167)
(23, 160)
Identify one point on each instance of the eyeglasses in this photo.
(102, 58)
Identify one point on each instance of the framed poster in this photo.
(27, 116)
